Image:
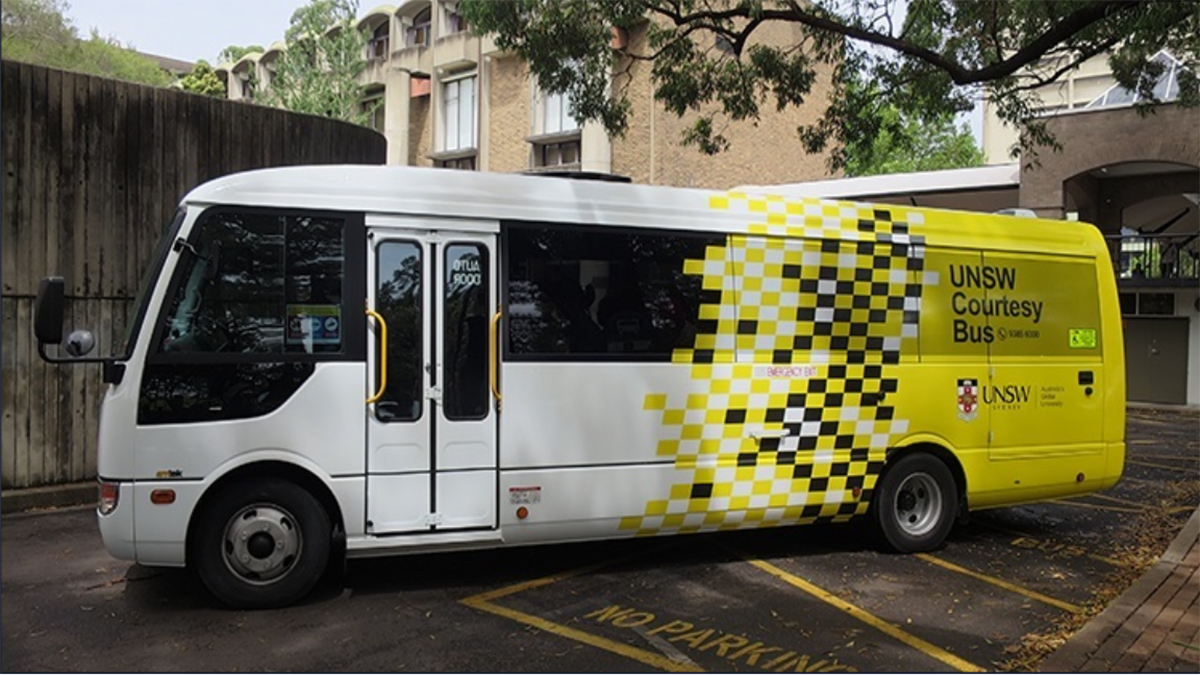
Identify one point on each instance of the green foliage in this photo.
(880, 138)
(233, 53)
(318, 73)
(39, 32)
(203, 80)
(928, 59)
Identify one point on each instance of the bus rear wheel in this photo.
(262, 543)
(916, 503)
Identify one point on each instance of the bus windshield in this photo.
(148, 278)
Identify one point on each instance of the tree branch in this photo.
(1061, 31)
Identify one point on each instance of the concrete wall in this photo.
(93, 171)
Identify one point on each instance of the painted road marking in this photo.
(875, 622)
(739, 650)
(1000, 583)
(1049, 546)
(646, 624)
(668, 649)
(1191, 461)
(1102, 507)
(649, 658)
(1118, 500)
(483, 602)
(1151, 465)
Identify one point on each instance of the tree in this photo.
(38, 31)
(233, 53)
(883, 139)
(924, 56)
(203, 80)
(318, 73)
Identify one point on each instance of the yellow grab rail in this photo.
(494, 371)
(382, 355)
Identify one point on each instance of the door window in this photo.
(399, 299)
(465, 333)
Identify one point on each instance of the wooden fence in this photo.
(93, 170)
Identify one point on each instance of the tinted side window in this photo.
(590, 294)
(254, 283)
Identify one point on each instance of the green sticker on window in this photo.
(1082, 338)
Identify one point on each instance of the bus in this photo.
(342, 361)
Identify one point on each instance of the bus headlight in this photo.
(110, 494)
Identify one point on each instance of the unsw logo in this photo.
(968, 399)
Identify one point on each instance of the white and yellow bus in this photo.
(366, 361)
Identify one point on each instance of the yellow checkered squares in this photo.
(810, 312)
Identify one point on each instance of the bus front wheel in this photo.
(262, 543)
(916, 503)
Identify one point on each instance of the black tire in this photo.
(915, 504)
(261, 543)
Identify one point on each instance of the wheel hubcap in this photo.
(261, 543)
(918, 504)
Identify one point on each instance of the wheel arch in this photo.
(270, 468)
(944, 454)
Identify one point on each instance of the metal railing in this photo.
(1156, 256)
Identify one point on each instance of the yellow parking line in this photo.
(1002, 530)
(934, 651)
(1118, 500)
(1152, 465)
(1190, 461)
(1008, 586)
(640, 655)
(1102, 507)
(483, 602)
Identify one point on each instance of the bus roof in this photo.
(434, 193)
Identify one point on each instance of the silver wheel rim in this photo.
(261, 543)
(918, 504)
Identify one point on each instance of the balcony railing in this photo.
(1157, 258)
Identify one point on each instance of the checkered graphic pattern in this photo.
(802, 325)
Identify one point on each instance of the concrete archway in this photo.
(1110, 155)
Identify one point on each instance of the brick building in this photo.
(445, 97)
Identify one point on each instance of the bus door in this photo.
(431, 422)
(1046, 393)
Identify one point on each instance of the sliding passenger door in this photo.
(431, 422)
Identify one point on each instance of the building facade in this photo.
(444, 97)
(1137, 178)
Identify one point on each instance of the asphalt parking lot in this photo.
(816, 599)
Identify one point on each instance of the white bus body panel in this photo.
(323, 422)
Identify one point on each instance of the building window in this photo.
(376, 111)
(417, 34)
(377, 46)
(560, 154)
(458, 114)
(558, 142)
(462, 163)
(452, 21)
(557, 116)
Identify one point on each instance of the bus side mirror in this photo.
(80, 343)
(48, 311)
